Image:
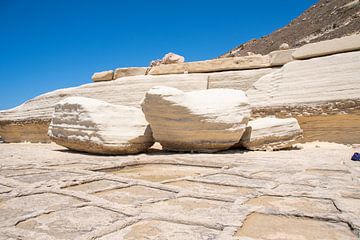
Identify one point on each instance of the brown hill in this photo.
(325, 20)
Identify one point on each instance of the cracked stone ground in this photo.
(48, 192)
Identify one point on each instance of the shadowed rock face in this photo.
(324, 20)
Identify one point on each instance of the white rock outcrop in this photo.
(320, 85)
(200, 121)
(271, 133)
(171, 58)
(30, 121)
(94, 126)
(328, 47)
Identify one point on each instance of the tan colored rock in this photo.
(328, 47)
(201, 121)
(171, 58)
(130, 71)
(214, 65)
(95, 126)
(103, 76)
(281, 57)
(271, 133)
(29, 121)
(241, 80)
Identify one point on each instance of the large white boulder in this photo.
(271, 133)
(200, 121)
(95, 126)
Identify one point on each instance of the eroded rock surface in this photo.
(95, 126)
(47, 192)
(29, 121)
(271, 133)
(202, 121)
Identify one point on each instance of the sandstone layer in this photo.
(214, 65)
(36, 113)
(323, 48)
(201, 121)
(130, 71)
(103, 76)
(271, 133)
(95, 126)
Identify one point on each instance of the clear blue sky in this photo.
(51, 44)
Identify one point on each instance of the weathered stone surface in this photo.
(171, 58)
(34, 116)
(103, 76)
(130, 71)
(314, 87)
(284, 46)
(281, 57)
(310, 83)
(205, 196)
(271, 133)
(333, 46)
(241, 80)
(94, 126)
(214, 65)
(202, 121)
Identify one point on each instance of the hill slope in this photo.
(325, 20)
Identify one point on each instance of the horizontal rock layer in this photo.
(127, 91)
(320, 85)
(271, 133)
(201, 121)
(333, 46)
(131, 71)
(95, 126)
(103, 76)
(214, 65)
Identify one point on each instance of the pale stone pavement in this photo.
(48, 192)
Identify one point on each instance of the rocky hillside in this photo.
(325, 20)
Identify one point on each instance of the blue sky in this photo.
(51, 44)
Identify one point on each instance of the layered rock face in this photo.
(318, 92)
(200, 121)
(95, 126)
(29, 121)
(271, 133)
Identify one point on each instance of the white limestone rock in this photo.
(241, 80)
(199, 121)
(284, 46)
(271, 133)
(103, 76)
(328, 47)
(320, 85)
(30, 120)
(171, 58)
(94, 126)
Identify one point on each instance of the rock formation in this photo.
(103, 76)
(95, 126)
(214, 65)
(30, 121)
(323, 21)
(130, 71)
(199, 121)
(319, 88)
(171, 58)
(271, 133)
